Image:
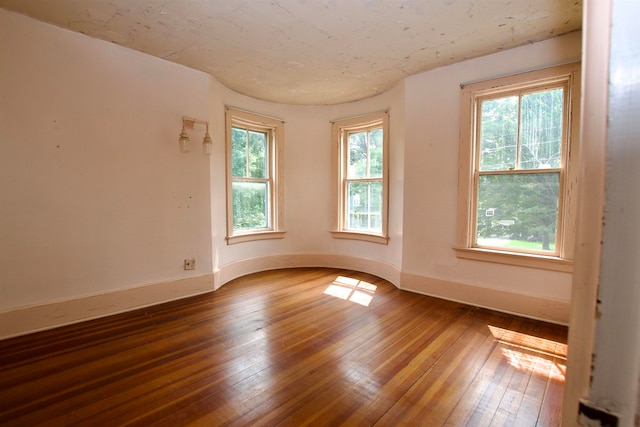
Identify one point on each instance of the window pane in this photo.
(238, 152)
(375, 153)
(541, 129)
(364, 206)
(250, 205)
(518, 211)
(498, 133)
(357, 155)
(257, 154)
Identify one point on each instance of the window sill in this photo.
(521, 260)
(351, 235)
(260, 235)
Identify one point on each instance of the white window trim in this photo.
(275, 127)
(338, 130)
(568, 191)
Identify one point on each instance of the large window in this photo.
(254, 184)
(360, 151)
(516, 175)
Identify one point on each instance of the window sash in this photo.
(248, 166)
(369, 221)
(262, 217)
(248, 178)
(520, 94)
(347, 178)
(566, 76)
(516, 223)
(499, 244)
(354, 169)
(239, 217)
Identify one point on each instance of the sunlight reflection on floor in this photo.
(350, 289)
(531, 353)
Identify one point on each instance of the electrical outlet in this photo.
(190, 264)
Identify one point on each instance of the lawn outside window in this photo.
(518, 174)
(255, 200)
(360, 173)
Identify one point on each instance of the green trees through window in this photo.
(519, 169)
(360, 148)
(364, 180)
(250, 178)
(254, 173)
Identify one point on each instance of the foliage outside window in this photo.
(360, 166)
(254, 184)
(516, 175)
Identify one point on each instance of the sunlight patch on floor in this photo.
(531, 353)
(350, 289)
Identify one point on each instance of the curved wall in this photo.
(99, 209)
(424, 111)
(308, 191)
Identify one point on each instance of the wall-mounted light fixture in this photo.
(183, 140)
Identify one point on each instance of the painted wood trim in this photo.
(28, 319)
(365, 237)
(534, 307)
(237, 269)
(531, 306)
(596, 38)
(513, 258)
(24, 320)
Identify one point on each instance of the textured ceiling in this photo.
(311, 51)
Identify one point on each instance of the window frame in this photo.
(339, 130)
(567, 75)
(274, 128)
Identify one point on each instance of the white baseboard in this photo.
(534, 307)
(548, 310)
(237, 269)
(24, 320)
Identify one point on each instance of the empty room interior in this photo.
(319, 212)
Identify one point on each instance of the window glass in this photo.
(364, 181)
(250, 207)
(376, 153)
(499, 134)
(250, 198)
(364, 206)
(358, 159)
(518, 211)
(541, 129)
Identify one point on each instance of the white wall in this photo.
(424, 113)
(431, 179)
(308, 192)
(96, 199)
(94, 195)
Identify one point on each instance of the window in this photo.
(517, 174)
(360, 153)
(254, 177)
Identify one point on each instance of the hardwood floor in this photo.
(292, 347)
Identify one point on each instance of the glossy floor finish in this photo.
(293, 347)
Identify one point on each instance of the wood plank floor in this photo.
(293, 347)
